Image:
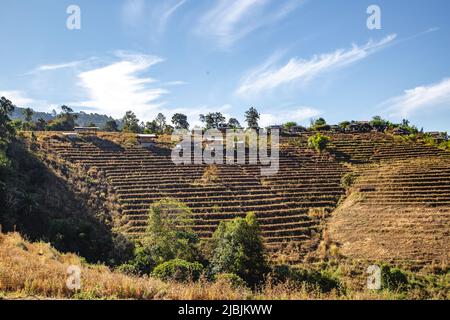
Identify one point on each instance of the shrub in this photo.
(348, 179)
(393, 278)
(238, 248)
(210, 175)
(318, 142)
(168, 237)
(323, 279)
(178, 270)
(231, 279)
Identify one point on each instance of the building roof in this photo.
(147, 136)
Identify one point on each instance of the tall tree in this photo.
(111, 126)
(212, 120)
(179, 120)
(161, 122)
(234, 123)
(6, 129)
(28, 114)
(130, 122)
(252, 117)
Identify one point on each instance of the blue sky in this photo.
(291, 59)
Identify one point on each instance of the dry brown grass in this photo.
(37, 271)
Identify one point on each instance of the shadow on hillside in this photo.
(41, 206)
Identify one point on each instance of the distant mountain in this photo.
(83, 119)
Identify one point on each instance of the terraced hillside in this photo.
(398, 212)
(290, 206)
(399, 193)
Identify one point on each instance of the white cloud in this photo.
(17, 97)
(151, 16)
(168, 13)
(279, 117)
(419, 99)
(51, 67)
(268, 76)
(120, 86)
(230, 20)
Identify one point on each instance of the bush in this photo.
(318, 142)
(323, 279)
(178, 270)
(168, 237)
(233, 280)
(238, 248)
(393, 278)
(348, 180)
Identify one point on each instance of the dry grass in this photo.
(37, 271)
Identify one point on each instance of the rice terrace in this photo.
(127, 193)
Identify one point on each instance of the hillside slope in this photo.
(404, 188)
(397, 211)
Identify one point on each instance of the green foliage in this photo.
(65, 121)
(111, 126)
(7, 131)
(318, 142)
(233, 123)
(289, 125)
(323, 279)
(379, 124)
(238, 248)
(320, 125)
(344, 124)
(168, 237)
(393, 278)
(131, 123)
(251, 117)
(212, 120)
(179, 120)
(178, 270)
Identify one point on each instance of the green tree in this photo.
(378, 123)
(168, 236)
(111, 126)
(238, 248)
(130, 122)
(41, 124)
(319, 125)
(179, 120)
(151, 127)
(160, 122)
(212, 120)
(318, 142)
(289, 125)
(344, 124)
(7, 131)
(65, 121)
(28, 114)
(251, 117)
(234, 123)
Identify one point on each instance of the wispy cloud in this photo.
(230, 20)
(167, 14)
(17, 97)
(152, 16)
(297, 114)
(268, 76)
(121, 86)
(54, 67)
(419, 99)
